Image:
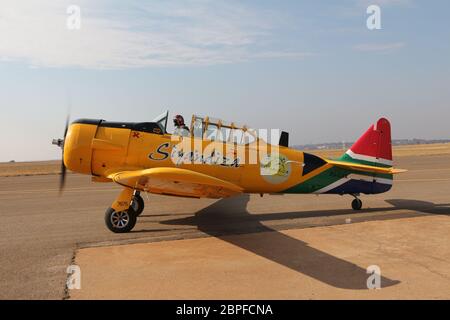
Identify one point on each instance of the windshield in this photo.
(161, 120)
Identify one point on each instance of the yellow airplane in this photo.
(215, 159)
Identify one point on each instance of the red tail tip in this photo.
(375, 144)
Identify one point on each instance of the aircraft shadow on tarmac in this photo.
(419, 206)
(230, 217)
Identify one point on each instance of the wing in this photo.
(176, 182)
(365, 168)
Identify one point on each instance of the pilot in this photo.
(180, 128)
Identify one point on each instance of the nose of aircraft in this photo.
(78, 147)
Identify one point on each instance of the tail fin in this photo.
(374, 147)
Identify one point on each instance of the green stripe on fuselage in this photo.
(328, 177)
(347, 158)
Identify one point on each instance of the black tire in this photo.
(120, 222)
(138, 204)
(356, 204)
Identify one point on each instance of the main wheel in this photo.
(356, 204)
(120, 222)
(138, 204)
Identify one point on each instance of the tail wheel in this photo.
(137, 204)
(356, 204)
(120, 221)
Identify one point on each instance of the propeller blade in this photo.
(62, 180)
(67, 127)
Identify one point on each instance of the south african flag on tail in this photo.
(366, 168)
(371, 157)
(367, 165)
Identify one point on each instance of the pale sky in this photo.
(308, 67)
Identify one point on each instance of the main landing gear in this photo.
(137, 203)
(120, 221)
(356, 203)
(122, 216)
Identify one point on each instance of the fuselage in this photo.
(99, 148)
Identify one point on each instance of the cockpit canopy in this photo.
(213, 129)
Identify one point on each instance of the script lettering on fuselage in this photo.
(179, 156)
(161, 154)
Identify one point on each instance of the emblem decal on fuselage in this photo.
(275, 168)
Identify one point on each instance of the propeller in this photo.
(60, 143)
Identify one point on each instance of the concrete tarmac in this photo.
(329, 262)
(40, 232)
